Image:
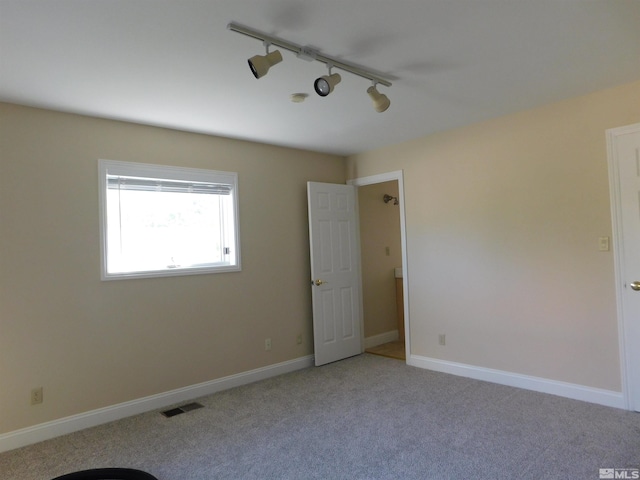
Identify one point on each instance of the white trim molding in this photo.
(386, 337)
(63, 426)
(563, 389)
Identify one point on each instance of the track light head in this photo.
(260, 64)
(325, 84)
(380, 101)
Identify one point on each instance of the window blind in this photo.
(121, 182)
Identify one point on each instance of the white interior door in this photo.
(624, 160)
(335, 271)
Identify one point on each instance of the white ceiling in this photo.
(175, 64)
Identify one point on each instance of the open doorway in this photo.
(383, 260)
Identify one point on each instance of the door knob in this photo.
(635, 285)
(319, 282)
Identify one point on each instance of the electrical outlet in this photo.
(299, 339)
(267, 344)
(36, 396)
(442, 339)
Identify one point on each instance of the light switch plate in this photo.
(603, 243)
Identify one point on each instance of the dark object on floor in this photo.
(108, 474)
(184, 408)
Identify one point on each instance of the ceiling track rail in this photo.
(308, 53)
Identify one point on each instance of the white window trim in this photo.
(114, 167)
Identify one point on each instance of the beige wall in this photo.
(503, 220)
(92, 344)
(379, 229)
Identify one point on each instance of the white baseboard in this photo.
(376, 340)
(55, 428)
(608, 398)
(63, 426)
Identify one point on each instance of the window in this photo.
(160, 221)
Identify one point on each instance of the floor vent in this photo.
(183, 409)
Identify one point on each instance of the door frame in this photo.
(381, 178)
(626, 343)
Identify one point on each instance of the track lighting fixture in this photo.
(380, 101)
(260, 64)
(324, 85)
